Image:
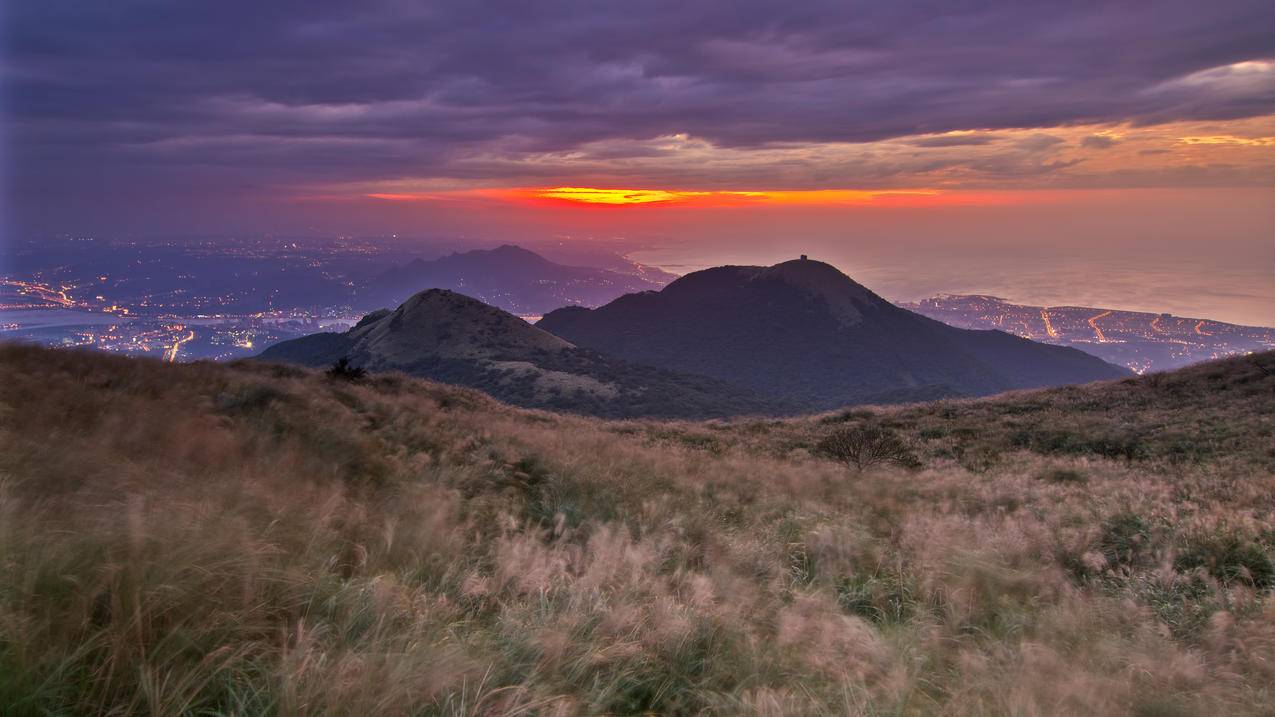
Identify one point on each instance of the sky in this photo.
(1055, 152)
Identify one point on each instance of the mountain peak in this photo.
(509, 276)
(514, 250)
(443, 322)
(845, 296)
(805, 331)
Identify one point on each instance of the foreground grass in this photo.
(253, 539)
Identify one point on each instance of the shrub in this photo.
(1125, 540)
(346, 371)
(853, 414)
(248, 398)
(1229, 557)
(1062, 475)
(863, 446)
(1108, 445)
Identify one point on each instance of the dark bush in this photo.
(1229, 557)
(1062, 475)
(1108, 445)
(863, 446)
(1125, 540)
(345, 371)
(853, 414)
(248, 398)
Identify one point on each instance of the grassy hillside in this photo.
(257, 539)
(449, 337)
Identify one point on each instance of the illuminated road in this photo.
(42, 292)
(171, 354)
(1155, 326)
(1093, 323)
(1049, 327)
(1198, 331)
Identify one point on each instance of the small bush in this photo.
(1113, 445)
(853, 414)
(345, 371)
(1125, 540)
(882, 598)
(863, 446)
(249, 398)
(1228, 556)
(1062, 475)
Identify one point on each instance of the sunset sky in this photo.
(1106, 151)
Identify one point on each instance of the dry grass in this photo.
(250, 539)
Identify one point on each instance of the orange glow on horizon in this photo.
(585, 197)
(596, 196)
(614, 197)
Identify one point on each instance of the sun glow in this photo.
(623, 197)
(592, 195)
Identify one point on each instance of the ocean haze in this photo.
(1190, 253)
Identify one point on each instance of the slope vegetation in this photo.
(445, 336)
(254, 538)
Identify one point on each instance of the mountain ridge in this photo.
(804, 330)
(508, 277)
(446, 336)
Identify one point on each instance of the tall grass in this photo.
(250, 539)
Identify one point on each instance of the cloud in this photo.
(955, 139)
(1098, 141)
(323, 91)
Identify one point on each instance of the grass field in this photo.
(252, 539)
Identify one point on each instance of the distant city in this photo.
(1139, 340)
(181, 300)
(223, 298)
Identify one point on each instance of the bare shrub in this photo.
(863, 446)
(346, 371)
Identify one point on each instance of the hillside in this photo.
(805, 331)
(445, 336)
(254, 538)
(508, 277)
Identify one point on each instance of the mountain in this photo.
(446, 336)
(246, 538)
(1139, 340)
(508, 277)
(805, 331)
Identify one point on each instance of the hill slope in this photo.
(805, 331)
(255, 539)
(508, 277)
(445, 336)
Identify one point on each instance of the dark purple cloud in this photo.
(234, 95)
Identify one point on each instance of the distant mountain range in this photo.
(798, 336)
(448, 337)
(508, 277)
(805, 331)
(1139, 340)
